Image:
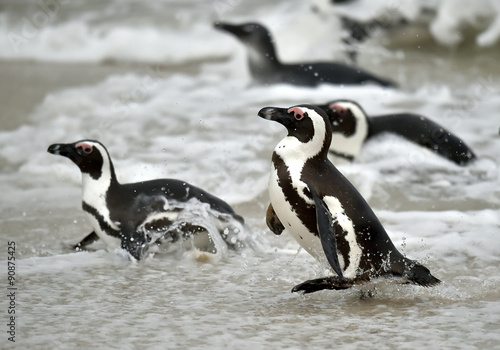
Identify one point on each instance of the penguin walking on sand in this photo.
(136, 215)
(323, 211)
(352, 127)
(266, 68)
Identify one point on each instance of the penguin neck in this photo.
(95, 189)
(262, 59)
(350, 146)
(296, 153)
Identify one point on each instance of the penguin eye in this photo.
(85, 147)
(297, 113)
(300, 116)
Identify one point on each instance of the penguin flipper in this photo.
(88, 240)
(273, 222)
(326, 229)
(331, 282)
(134, 242)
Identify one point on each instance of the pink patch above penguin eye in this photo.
(87, 149)
(298, 114)
(338, 108)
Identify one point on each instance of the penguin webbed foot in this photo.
(332, 282)
(88, 240)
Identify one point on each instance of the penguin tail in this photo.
(385, 83)
(419, 274)
(366, 77)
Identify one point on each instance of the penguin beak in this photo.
(230, 28)
(276, 114)
(225, 26)
(59, 149)
(67, 150)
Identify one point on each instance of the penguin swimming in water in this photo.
(352, 127)
(324, 212)
(266, 68)
(136, 215)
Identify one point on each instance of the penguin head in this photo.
(254, 35)
(246, 32)
(89, 155)
(350, 126)
(309, 125)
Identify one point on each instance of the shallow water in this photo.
(170, 99)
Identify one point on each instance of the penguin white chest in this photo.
(94, 196)
(110, 241)
(310, 242)
(290, 220)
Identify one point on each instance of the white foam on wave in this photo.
(104, 34)
(79, 41)
(454, 16)
(299, 30)
(446, 20)
(171, 114)
(187, 127)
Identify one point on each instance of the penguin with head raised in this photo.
(266, 68)
(324, 212)
(352, 127)
(137, 215)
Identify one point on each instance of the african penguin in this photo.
(324, 212)
(352, 127)
(136, 215)
(266, 68)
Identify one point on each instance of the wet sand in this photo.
(25, 84)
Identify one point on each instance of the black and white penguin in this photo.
(266, 68)
(136, 215)
(324, 212)
(352, 127)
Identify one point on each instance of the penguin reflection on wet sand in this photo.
(352, 127)
(266, 67)
(137, 215)
(323, 211)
